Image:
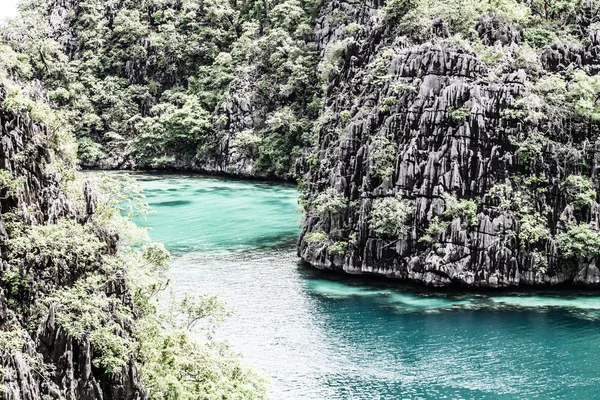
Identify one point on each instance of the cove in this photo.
(324, 336)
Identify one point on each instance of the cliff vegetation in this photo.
(80, 284)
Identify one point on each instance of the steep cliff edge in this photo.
(40, 355)
(458, 146)
(81, 312)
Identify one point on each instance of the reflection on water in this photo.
(322, 336)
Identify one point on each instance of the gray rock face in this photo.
(24, 153)
(438, 152)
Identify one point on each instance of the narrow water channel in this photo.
(322, 336)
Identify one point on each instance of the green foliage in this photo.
(492, 57)
(66, 240)
(458, 115)
(387, 104)
(379, 67)
(180, 118)
(400, 88)
(545, 105)
(13, 63)
(122, 193)
(463, 208)
(580, 191)
(533, 228)
(150, 80)
(176, 365)
(246, 140)
(454, 208)
(330, 202)
(416, 17)
(530, 148)
(13, 340)
(280, 144)
(8, 183)
(332, 62)
(345, 116)
(539, 37)
(556, 9)
(337, 248)
(18, 102)
(540, 261)
(316, 237)
(579, 242)
(89, 151)
(436, 228)
(85, 312)
(584, 91)
(70, 267)
(338, 18)
(353, 28)
(396, 9)
(382, 157)
(519, 202)
(389, 216)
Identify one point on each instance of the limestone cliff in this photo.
(39, 356)
(482, 153)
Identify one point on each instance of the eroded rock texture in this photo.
(438, 151)
(67, 361)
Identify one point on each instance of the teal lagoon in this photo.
(325, 336)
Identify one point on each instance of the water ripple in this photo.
(323, 337)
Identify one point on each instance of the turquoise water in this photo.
(203, 214)
(322, 336)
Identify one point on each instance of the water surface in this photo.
(322, 336)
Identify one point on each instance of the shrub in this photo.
(180, 360)
(459, 16)
(13, 344)
(85, 311)
(380, 66)
(434, 230)
(65, 240)
(335, 53)
(353, 28)
(8, 183)
(382, 157)
(583, 90)
(338, 18)
(396, 9)
(337, 248)
(17, 101)
(345, 116)
(89, 151)
(246, 140)
(579, 242)
(330, 202)
(530, 148)
(316, 237)
(463, 208)
(60, 94)
(580, 191)
(540, 261)
(387, 104)
(389, 216)
(539, 37)
(400, 88)
(533, 228)
(458, 115)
